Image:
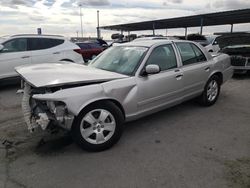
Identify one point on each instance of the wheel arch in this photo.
(117, 103)
(69, 60)
(219, 75)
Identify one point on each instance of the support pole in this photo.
(186, 33)
(201, 25)
(129, 36)
(232, 27)
(81, 19)
(153, 29)
(98, 26)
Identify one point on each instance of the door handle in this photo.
(56, 53)
(179, 76)
(207, 69)
(26, 57)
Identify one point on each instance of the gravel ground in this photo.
(187, 146)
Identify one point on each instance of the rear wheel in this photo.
(98, 127)
(211, 91)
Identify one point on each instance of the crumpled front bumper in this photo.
(44, 113)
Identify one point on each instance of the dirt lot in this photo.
(187, 146)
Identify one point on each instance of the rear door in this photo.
(164, 88)
(14, 54)
(45, 50)
(195, 67)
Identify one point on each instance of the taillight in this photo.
(79, 51)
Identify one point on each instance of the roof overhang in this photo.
(211, 19)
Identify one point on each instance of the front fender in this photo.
(74, 98)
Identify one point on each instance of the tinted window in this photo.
(15, 45)
(43, 43)
(94, 45)
(190, 53)
(83, 46)
(164, 56)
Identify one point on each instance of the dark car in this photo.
(201, 39)
(237, 45)
(89, 50)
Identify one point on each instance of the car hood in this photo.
(243, 50)
(233, 40)
(58, 74)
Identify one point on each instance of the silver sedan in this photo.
(123, 83)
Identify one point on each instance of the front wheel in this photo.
(211, 91)
(98, 127)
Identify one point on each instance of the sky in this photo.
(62, 17)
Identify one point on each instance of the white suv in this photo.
(19, 50)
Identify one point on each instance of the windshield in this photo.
(120, 59)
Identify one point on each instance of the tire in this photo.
(98, 127)
(211, 91)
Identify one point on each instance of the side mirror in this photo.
(1, 47)
(152, 69)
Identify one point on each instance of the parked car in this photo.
(237, 45)
(240, 57)
(89, 50)
(212, 45)
(123, 83)
(201, 39)
(19, 50)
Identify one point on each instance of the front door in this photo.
(164, 88)
(13, 54)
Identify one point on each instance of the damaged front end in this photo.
(45, 114)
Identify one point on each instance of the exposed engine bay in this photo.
(240, 56)
(46, 114)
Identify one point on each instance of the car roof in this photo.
(37, 36)
(149, 43)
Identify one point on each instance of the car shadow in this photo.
(9, 85)
(158, 116)
(52, 144)
(241, 76)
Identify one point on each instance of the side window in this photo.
(15, 45)
(187, 53)
(43, 43)
(215, 42)
(199, 54)
(164, 56)
(95, 46)
(190, 53)
(83, 46)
